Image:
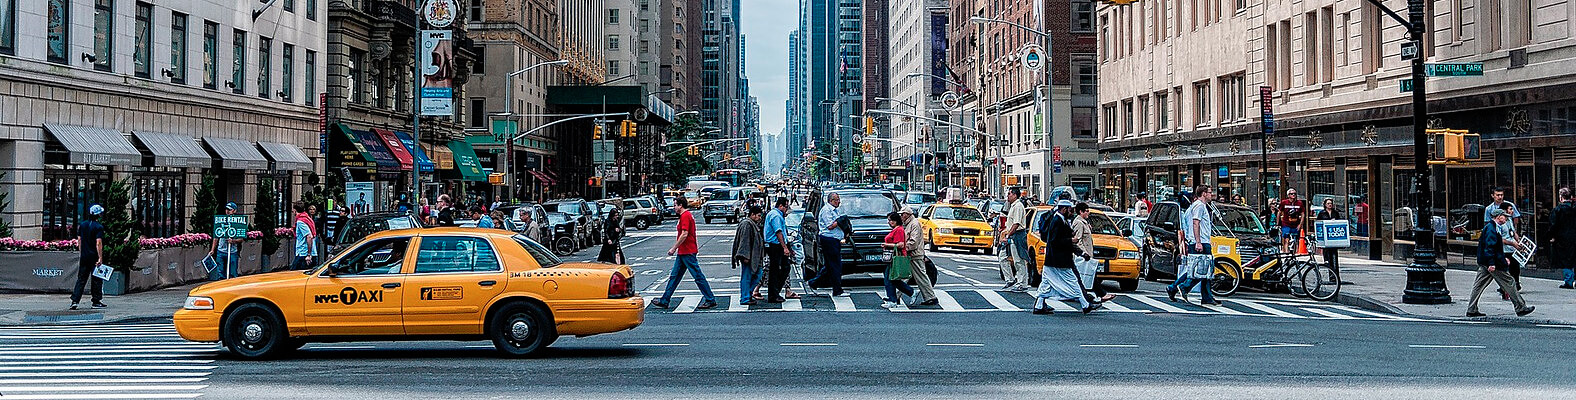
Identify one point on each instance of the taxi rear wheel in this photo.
(254, 331)
(521, 330)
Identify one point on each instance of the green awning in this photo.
(466, 162)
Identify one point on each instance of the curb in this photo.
(120, 320)
(1368, 303)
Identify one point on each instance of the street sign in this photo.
(602, 151)
(1033, 57)
(230, 226)
(1409, 50)
(1056, 154)
(1454, 69)
(504, 128)
(1406, 85)
(949, 99)
(1266, 109)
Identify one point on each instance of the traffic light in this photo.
(626, 128)
(694, 151)
(870, 126)
(1455, 145)
(594, 181)
(596, 132)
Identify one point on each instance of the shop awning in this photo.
(95, 146)
(397, 148)
(171, 150)
(465, 160)
(237, 154)
(442, 157)
(423, 163)
(375, 147)
(286, 157)
(548, 180)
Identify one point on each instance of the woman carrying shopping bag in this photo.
(1083, 236)
(901, 268)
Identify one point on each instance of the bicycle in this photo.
(1298, 274)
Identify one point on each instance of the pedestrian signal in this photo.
(1455, 145)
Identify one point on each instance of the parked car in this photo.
(454, 283)
(368, 223)
(1238, 236)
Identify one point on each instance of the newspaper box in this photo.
(1332, 234)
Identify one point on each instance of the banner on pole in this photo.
(437, 72)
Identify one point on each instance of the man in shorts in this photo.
(1290, 210)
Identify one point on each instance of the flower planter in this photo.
(115, 286)
(144, 274)
(39, 271)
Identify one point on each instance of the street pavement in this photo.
(979, 343)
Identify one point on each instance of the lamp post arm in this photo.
(539, 128)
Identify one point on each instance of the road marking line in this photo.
(1276, 345)
(949, 272)
(1152, 302)
(1557, 326)
(1443, 346)
(807, 344)
(8, 389)
(687, 305)
(97, 380)
(87, 327)
(349, 347)
(843, 304)
(734, 306)
(956, 344)
(109, 367)
(1469, 322)
(172, 347)
(1059, 305)
(104, 351)
(54, 362)
(117, 345)
(149, 355)
(947, 302)
(997, 300)
(1120, 346)
(96, 396)
(90, 374)
(1265, 308)
(1377, 315)
(655, 344)
(1328, 313)
(480, 346)
(1223, 309)
(793, 305)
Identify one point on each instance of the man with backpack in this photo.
(1016, 234)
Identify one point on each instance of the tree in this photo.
(678, 165)
(121, 231)
(267, 218)
(5, 202)
(207, 205)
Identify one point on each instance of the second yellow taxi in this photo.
(1117, 255)
(957, 225)
(418, 284)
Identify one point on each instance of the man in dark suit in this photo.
(1060, 279)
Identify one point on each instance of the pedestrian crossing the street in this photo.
(124, 361)
(988, 300)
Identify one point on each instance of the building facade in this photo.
(161, 94)
(510, 36)
(916, 82)
(1181, 83)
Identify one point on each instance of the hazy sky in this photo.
(766, 25)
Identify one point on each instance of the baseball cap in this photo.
(1496, 213)
(96, 209)
(232, 206)
(905, 210)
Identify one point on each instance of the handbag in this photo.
(902, 267)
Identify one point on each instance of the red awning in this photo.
(546, 176)
(538, 175)
(397, 147)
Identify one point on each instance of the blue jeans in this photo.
(892, 287)
(229, 266)
(1185, 284)
(749, 277)
(832, 257)
(681, 263)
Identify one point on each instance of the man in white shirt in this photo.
(831, 245)
(1016, 235)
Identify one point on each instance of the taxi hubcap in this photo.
(253, 332)
(520, 330)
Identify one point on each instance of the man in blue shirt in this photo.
(90, 238)
(777, 250)
(1499, 198)
(831, 244)
(305, 250)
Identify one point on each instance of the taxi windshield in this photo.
(958, 213)
(543, 256)
(1100, 224)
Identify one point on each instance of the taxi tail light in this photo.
(619, 287)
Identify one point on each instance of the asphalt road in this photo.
(974, 349)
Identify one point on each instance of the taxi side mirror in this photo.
(1127, 232)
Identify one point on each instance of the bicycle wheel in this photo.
(1321, 281)
(1294, 272)
(1226, 280)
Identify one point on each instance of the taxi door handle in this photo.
(391, 285)
(487, 283)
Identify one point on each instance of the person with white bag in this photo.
(1084, 238)
(90, 235)
(1198, 228)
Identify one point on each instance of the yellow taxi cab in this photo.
(958, 225)
(1117, 255)
(418, 284)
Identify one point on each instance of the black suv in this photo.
(867, 211)
(1160, 243)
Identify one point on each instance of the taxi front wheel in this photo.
(521, 329)
(254, 331)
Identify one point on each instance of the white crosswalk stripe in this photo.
(986, 300)
(102, 362)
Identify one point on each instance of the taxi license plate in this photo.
(966, 240)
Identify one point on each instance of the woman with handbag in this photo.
(613, 232)
(901, 267)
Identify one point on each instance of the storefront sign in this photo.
(437, 72)
(230, 226)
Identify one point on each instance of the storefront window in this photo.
(161, 203)
(1358, 209)
(1565, 176)
(71, 191)
(283, 205)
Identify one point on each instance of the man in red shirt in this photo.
(1291, 209)
(684, 249)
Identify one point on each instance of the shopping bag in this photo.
(902, 268)
(103, 272)
(1086, 270)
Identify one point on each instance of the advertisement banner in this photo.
(230, 226)
(358, 195)
(437, 72)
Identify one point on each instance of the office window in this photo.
(1083, 122)
(1271, 56)
(1142, 113)
(1163, 108)
(478, 116)
(210, 55)
(1327, 43)
(1084, 67)
(311, 10)
(103, 34)
(311, 77)
(1083, 16)
(7, 26)
(612, 68)
(1201, 110)
(143, 41)
(289, 5)
(1310, 48)
(353, 65)
(612, 17)
(177, 48)
(612, 42)
(1233, 98)
(238, 67)
(477, 13)
(1285, 54)
(287, 73)
(1127, 119)
(1105, 37)
(265, 66)
(478, 65)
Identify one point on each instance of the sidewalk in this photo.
(51, 309)
(1378, 285)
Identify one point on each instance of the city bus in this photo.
(734, 177)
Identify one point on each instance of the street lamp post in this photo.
(914, 126)
(508, 109)
(1045, 76)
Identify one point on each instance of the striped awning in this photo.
(286, 156)
(237, 154)
(95, 146)
(171, 150)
